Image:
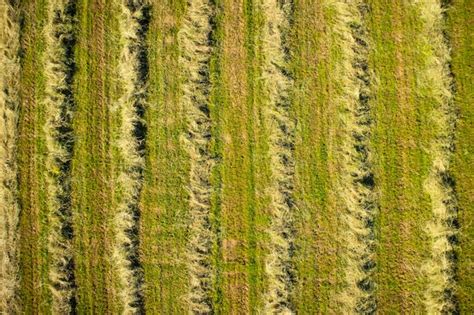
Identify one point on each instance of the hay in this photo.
(9, 106)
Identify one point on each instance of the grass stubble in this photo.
(59, 105)
(440, 295)
(355, 181)
(130, 145)
(195, 44)
(9, 107)
(278, 83)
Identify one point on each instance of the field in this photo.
(236, 157)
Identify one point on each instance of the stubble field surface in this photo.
(236, 157)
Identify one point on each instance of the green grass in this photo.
(34, 259)
(96, 55)
(164, 199)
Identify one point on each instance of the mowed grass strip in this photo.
(129, 144)
(194, 39)
(234, 166)
(9, 112)
(164, 206)
(35, 293)
(59, 105)
(318, 101)
(461, 37)
(281, 126)
(96, 90)
(402, 136)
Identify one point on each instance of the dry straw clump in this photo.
(59, 105)
(282, 130)
(194, 39)
(129, 144)
(9, 106)
(356, 180)
(440, 297)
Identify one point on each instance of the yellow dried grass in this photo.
(278, 266)
(440, 296)
(9, 106)
(196, 52)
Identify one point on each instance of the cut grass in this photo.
(195, 44)
(277, 83)
(129, 144)
(59, 104)
(9, 107)
(356, 178)
(440, 297)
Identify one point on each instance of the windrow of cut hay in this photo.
(281, 128)
(194, 40)
(9, 107)
(355, 181)
(440, 297)
(130, 145)
(59, 106)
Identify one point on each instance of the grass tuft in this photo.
(9, 106)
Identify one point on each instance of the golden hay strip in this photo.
(278, 265)
(440, 296)
(59, 105)
(132, 73)
(355, 182)
(9, 106)
(194, 41)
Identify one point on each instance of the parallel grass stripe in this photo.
(281, 145)
(130, 144)
(59, 104)
(194, 39)
(9, 106)
(440, 295)
(355, 181)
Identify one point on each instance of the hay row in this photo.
(9, 106)
(277, 84)
(355, 183)
(129, 144)
(59, 105)
(440, 296)
(194, 39)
